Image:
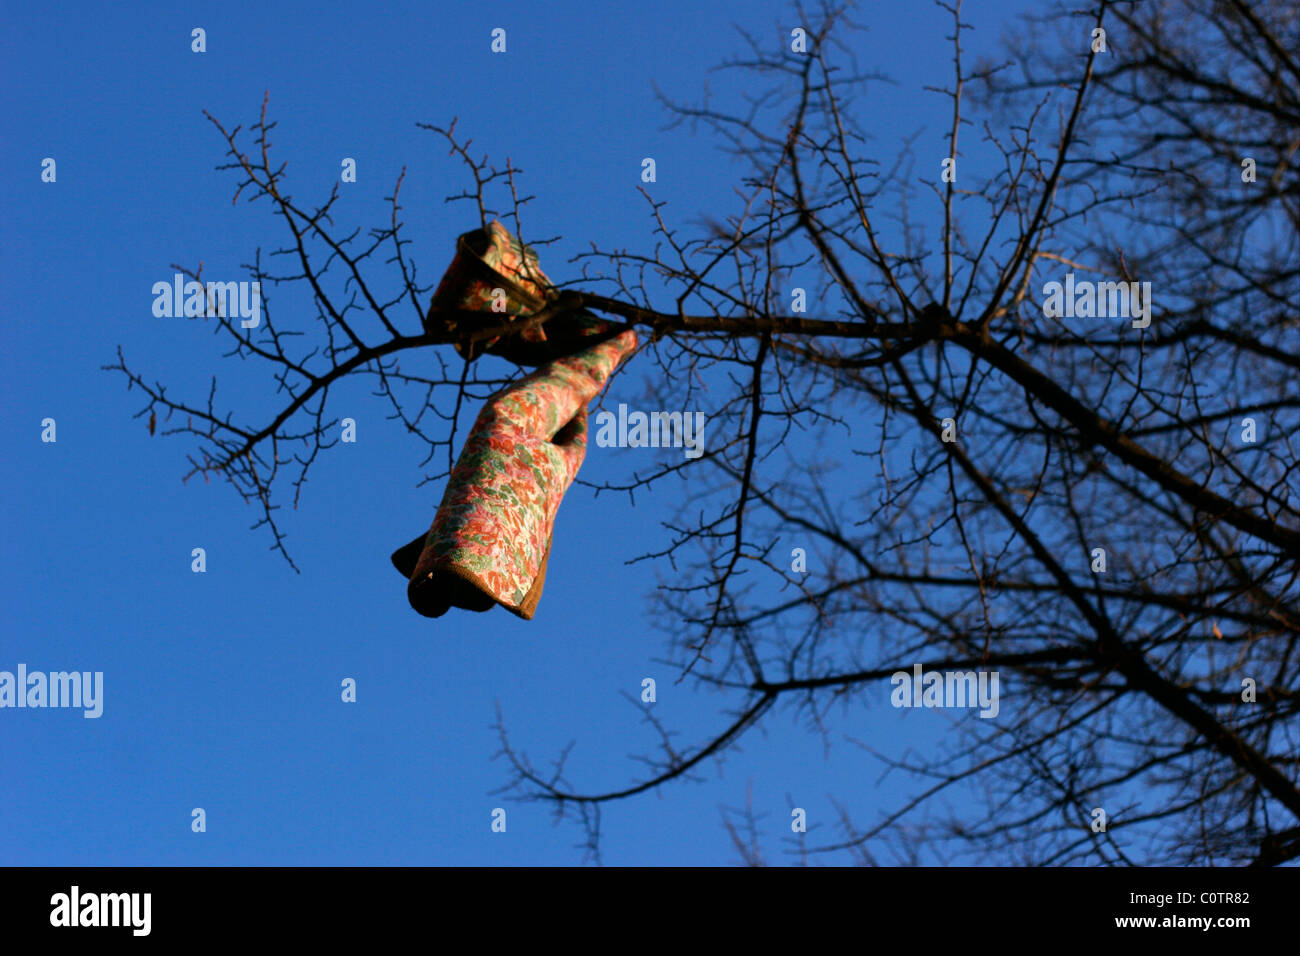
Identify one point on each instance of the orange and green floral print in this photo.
(487, 260)
(493, 528)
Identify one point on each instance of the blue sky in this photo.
(222, 689)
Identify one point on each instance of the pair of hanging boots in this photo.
(491, 537)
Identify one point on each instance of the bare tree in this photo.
(1072, 501)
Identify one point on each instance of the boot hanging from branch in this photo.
(491, 536)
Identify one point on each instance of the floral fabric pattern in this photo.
(488, 259)
(493, 528)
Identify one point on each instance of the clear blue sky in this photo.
(222, 690)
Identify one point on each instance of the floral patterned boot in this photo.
(491, 537)
(495, 280)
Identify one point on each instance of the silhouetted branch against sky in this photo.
(1014, 400)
